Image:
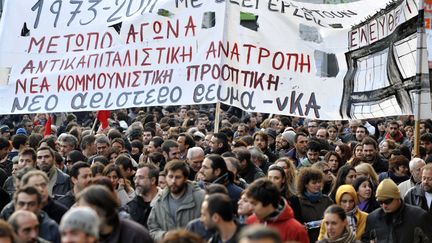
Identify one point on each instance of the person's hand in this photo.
(121, 183)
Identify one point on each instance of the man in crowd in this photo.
(102, 145)
(426, 142)
(361, 133)
(112, 227)
(81, 177)
(170, 150)
(248, 171)
(273, 211)
(148, 134)
(298, 153)
(146, 189)
(179, 203)
(38, 179)
(26, 159)
(80, 224)
(19, 142)
(370, 153)
(312, 154)
(5, 163)
(185, 142)
(195, 158)
(88, 146)
(26, 226)
(312, 128)
(396, 221)
(5, 132)
(421, 194)
(219, 143)
(394, 133)
(415, 167)
(217, 213)
(67, 143)
(29, 199)
(214, 170)
(59, 182)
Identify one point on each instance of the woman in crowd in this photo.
(124, 190)
(398, 169)
(113, 153)
(313, 203)
(344, 152)
(337, 227)
(357, 152)
(365, 194)
(328, 179)
(386, 147)
(366, 170)
(380, 130)
(346, 197)
(333, 135)
(334, 161)
(276, 174)
(290, 171)
(345, 175)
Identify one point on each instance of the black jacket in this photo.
(380, 165)
(139, 210)
(251, 173)
(55, 210)
(68, 200)
(408, 224)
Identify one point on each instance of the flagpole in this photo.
(94, 126)
(216, 120)
(419, 76)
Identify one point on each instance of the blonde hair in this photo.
(365, 168)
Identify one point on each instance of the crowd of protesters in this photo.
(165, 175)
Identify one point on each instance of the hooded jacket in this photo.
(359, 215)
(289, 228)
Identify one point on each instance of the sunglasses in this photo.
(386, 202)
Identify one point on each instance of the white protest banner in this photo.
(354, 60)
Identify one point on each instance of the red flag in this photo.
(103, 116)
(48, 127)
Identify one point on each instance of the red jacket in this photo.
(289, 228)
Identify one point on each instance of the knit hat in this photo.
(270, 132)
(21, 131)
(289, 136)
(387, 189)
(83, 219)
(4, 128)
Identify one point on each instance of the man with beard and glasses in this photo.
(421, 194)
(179, 203)
(146, 189)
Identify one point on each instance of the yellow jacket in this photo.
(359, 215)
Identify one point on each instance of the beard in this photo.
(142, 190)
(174, 189)
(427, 188)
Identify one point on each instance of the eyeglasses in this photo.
(386, 202)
